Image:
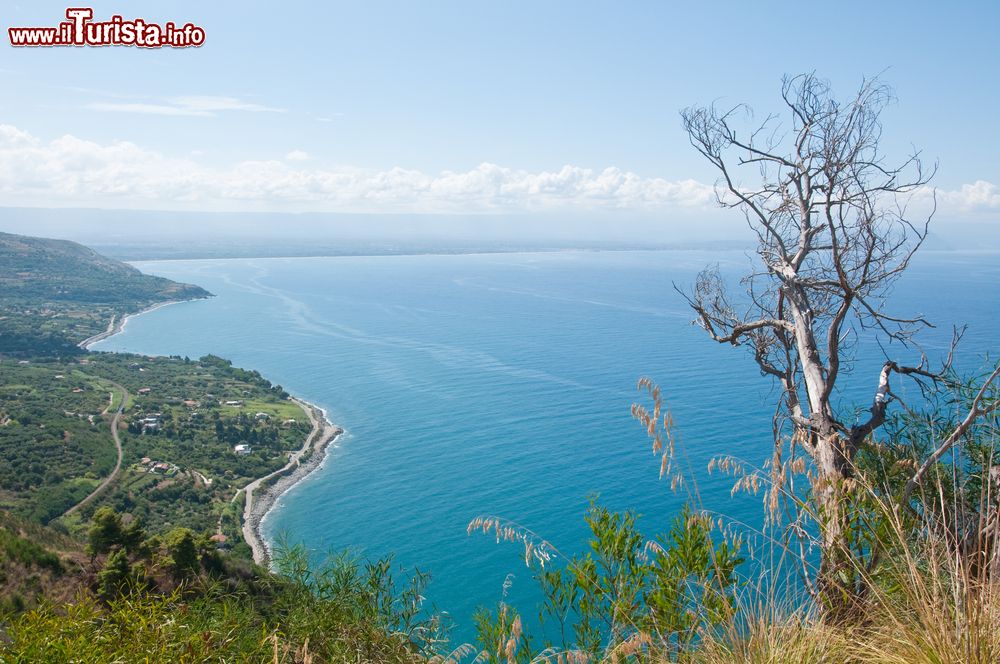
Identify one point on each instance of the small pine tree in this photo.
(105, 531)
(183, 553)
(133, 536)
(114, 577)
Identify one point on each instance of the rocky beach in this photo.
(262, 494)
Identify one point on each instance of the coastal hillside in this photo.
(54, 294)
(42, 270)
(170, 440)
(125, 486)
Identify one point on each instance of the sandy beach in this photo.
(263, 493)
(117, 324)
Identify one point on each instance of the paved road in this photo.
(118, 446)
(251, 521)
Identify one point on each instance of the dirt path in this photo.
(118, 447)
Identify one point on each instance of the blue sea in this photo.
(500, 384)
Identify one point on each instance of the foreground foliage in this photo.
(177, 599)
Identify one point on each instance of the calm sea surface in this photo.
(501, 384)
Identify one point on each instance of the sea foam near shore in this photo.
(262, 494)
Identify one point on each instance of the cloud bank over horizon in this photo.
(70, 171)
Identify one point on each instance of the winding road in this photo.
(118, 447)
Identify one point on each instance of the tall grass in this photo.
(922, 587)
(926, 602)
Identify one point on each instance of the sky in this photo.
(471, 108)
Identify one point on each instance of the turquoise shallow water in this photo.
(501, 384)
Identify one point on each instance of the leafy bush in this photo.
(626, 595)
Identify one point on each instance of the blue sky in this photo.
(381, 99)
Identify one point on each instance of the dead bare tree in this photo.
(833, 234)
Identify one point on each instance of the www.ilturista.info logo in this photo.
(82, 30)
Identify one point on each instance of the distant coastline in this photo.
(133, 258)
(260, 495)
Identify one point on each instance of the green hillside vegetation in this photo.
(55, 443)
(126, 596)
(178, 436)
(55, 293)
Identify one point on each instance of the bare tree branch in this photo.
(976, 411)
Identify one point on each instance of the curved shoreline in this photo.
(261, 495)
(117, 324)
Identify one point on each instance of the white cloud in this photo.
(196, 106)
(72, 171)
(978, 201)
(980, 196)
(297, 155)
